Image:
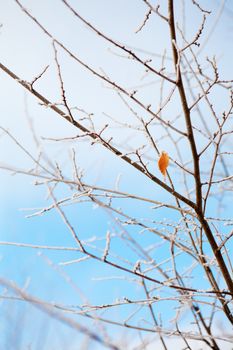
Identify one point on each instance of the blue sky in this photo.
(26, 51)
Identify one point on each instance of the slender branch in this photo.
(115, 43)
(52, 312)
(95, 136)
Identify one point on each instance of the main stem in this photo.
(190, 135)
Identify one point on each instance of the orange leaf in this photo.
(163, 162)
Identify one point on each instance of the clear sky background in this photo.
(27, 51)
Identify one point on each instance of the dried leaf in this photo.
(163, 162)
